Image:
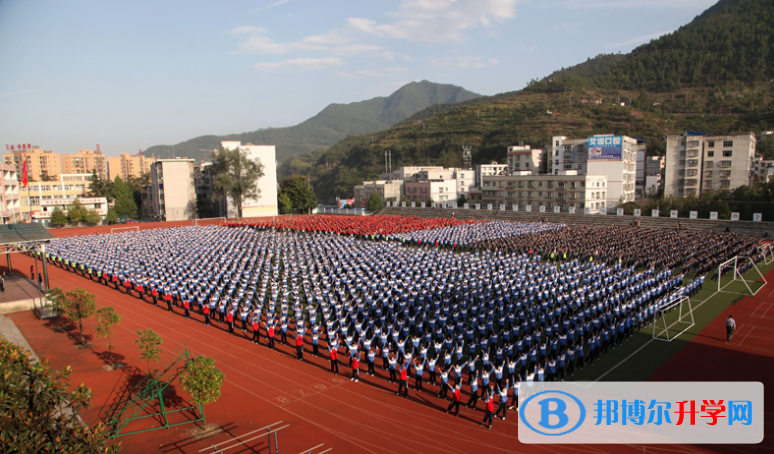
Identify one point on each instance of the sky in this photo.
(131, 74)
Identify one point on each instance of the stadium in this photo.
(359, 333)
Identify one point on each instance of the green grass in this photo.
(645, 355)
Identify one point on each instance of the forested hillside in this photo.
(711, 75)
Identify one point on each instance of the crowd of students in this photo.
(371, 227)
(633, 246)
(463, 236)
(498, 318)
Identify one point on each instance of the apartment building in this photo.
(697, 162)
(613, 156)
(525, 158)
(39, 162)
(490, 169)
(10, 207)
(528, 192)
(128, 166)
(43, 214)
(428, 191)
(84, 161)
(172, 186)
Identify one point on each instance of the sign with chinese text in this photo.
(694, 215)
(638, 212)
(714, 215)
(673, 213)
(609, 148)
(734, 216)
(641, 412)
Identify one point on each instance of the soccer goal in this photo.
(673, 319)
(135, 228)
(210, 221)
(740, 276)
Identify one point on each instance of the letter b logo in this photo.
(553, 406)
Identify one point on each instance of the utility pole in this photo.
(387, 161)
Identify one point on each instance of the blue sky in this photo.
(131, 74)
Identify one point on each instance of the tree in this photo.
(300, 193)
(77, 212)
(57, 297)
(125, 205)
(202, 380)
(375, 202)
(235, 175)
(284, 202)
(148, 342)
(99, 187)
(58, 217)
(39, 413)
(107, 318)
(111, 217)
(78, 305)
(44, 176)
(93, 217)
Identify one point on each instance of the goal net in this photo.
(740, 276)
(673, 319)
(135, 228)
(210, 221)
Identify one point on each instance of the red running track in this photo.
(264, 386)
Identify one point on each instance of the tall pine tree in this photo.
(125, 206)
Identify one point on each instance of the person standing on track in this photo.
(354, 361)
(270, 332)
(502, 391)
(489, 412)
(256, 329)
(334, 357)
(730, 327)
(473, 391)
(403, 382)
(206, 312)
(455, 402)
(187, 307)
(230, 320)
(300, 344)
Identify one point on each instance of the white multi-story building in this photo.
(98, 204)
(172, 188)
(428, 191)
(763, 169)
(697, 162)
(266, 202)
(9, 203)
(525, 158)
(612, 156)
(488, 170)
(565, 190)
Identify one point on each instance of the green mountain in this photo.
(332, 124)
(714, 75)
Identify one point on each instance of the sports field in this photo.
(264, 387)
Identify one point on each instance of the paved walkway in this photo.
(19, 295)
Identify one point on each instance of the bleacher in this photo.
(743, 227)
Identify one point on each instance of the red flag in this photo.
(29, 146)
(24, 146)
(7, 147)
(11, 147)
(24, 171)
(18, 147)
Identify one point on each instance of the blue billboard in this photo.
(607, 148)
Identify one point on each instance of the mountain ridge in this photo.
(332, 124)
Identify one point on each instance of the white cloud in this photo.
(631, 4)
(333, 42)
(299, 64)
(383, 72)
(463, 62)
(269, 6)
(437, 21)
(638, 40)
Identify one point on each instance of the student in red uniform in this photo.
(155, 295)
(230, 320)
(205, 311)
(256, 332)
(300, 345)
(187, 307)
(355, 363)
(455, 403)
(270, 334)
(403, 382)
(334, 356)
(489, 413)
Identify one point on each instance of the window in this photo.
(707, 183)
(708, 164)
(580, 166)
(711, 143)
(728, 143)
(526, 165)
(560, 185)
(682, 153)
(725, 173)
(572, 185)
(568, 158)
(693, 153)
(692, 172)
(710, 153)
(725, 164)
(727, 153)
(725, 183)
(693, 162)
(550, 184)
